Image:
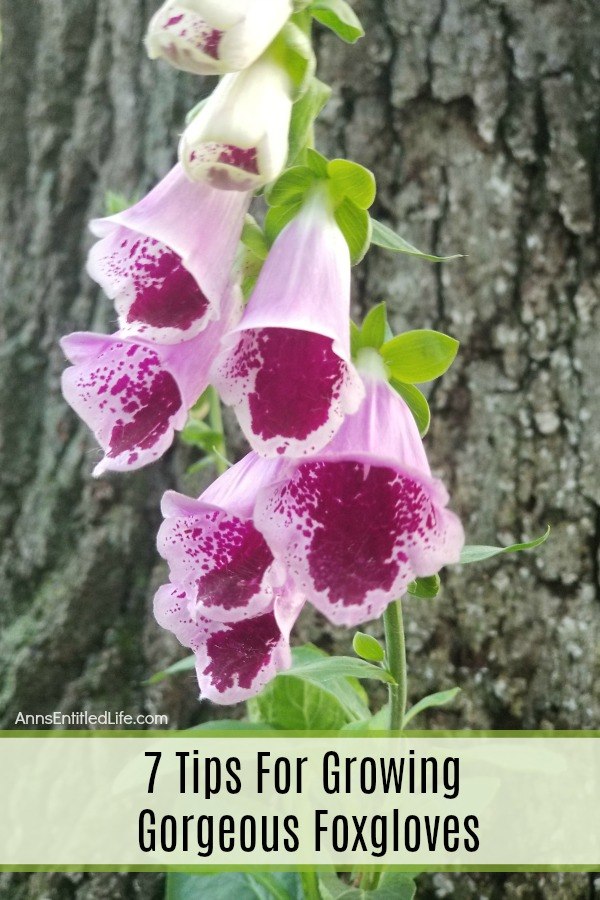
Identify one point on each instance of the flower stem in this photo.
(396, 659)
(310, 885)
(215, 417)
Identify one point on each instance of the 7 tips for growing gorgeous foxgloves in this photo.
(335, 505)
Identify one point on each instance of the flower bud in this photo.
(212, 37)
(239, 139)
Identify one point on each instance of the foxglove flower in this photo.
(134, 394)
(166, 261)
(357, 523)
(286, 368)
(212, 37)
(234, 660)
(228, 599)
(213, 549)
(239, 139)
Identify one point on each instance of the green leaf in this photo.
(253, 238)
(418, 356)
(416, 402)
(349, 179)
(425, 588)
(392, 886)
(395, 886)
(297, 705)
(341, 666)
(339, 17)
(383, 236)
(241, 885)
(355, 338)
(302, 700)
(439, 699)
(198, 434)
(380, 721)
(292, 48)
(472, 554)
(350, 691)
(373, 331)
(317, 162)
(182, 665)
(355, 224)
(304, 113)
(278, 217)
(367, 647)
(291, 186)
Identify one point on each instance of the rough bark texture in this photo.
(481, 121)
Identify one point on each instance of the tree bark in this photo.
(480, 119)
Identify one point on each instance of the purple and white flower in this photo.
(166, 261)
(354, 525)
(134, 394)
(286, 368)
(234, 660)
(239, 139)
(228, 598)
(213, 549)
(212, 37)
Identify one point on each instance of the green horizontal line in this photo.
(254, 735)
(213, 870)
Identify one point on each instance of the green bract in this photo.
(418, 356)
(416, 402)
(292, 49)
(349, 187)
(304, 113)
(339, 17)
(425, 588)
(367, 647)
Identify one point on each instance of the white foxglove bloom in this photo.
(212, 37)
(239, 139)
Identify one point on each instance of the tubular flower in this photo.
(239, 139)
(228, 599)
(286, 368)
(213, 549)
(357, 523)
(133, 394)
(234, 660)
(212, 37)
(166, 261)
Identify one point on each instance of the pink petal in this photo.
(171, 611)
(213, 549)
(167, 260)
(353, 536)
(236, 489)
(129, 399)
(356, 525)
(286, 368)
(233, 661)
(383, 428)
(221, 560)
(134, 395)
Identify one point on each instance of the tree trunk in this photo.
(480, 120)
